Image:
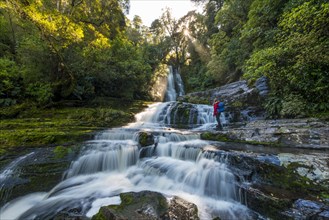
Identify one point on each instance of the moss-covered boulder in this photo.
(145, 138)
(297, 133)
(242, 101)
(183, 115)
(148, 205)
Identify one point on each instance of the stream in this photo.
(112, 163)
(179, 163)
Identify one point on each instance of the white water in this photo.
(174, 81)
(111, 164)
(180, 84)
(11, 168)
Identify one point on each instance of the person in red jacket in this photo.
(217, 114)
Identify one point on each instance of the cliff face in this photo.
(242, 102)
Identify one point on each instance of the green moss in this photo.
(215, 136)
(289, 179)
(324, 116)
(61, 151)
(324, 196)
(39, 177)
(126, 199)
(143, 138)
(237, 104)
(196, 100)
(226, 138)
(130, 202)
(62, 125)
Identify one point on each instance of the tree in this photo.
(298, 64)
(262, 25)
(227, 54)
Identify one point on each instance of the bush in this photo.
(273, 106)
(293, 106)
(10, 82)
(41, 93)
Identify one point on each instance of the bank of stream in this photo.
(223, 179)
(253, 169)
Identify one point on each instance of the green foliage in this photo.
(35, 127)
(118, 71)
(293, 106)
(39, 92)
(299, 63)
(273, 106)
(290, 106)
(10, 82)
(61, 151)
(260, 29)
(228, 53)
(13, 111)
(53, 51)
(81, 50)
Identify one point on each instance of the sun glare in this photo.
(186, 33)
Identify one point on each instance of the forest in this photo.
(90, 122)
(55, 50)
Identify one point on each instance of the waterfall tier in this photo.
(179, 163)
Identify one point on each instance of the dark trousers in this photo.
(219, 125)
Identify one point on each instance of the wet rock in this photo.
(313, 166)
(148, 205)
(265, 203)
(145, 138)
(242, 102)
(305, 209)
(262, 86)
(272, 183)
(72, 214)
(181, 209)
(300, 133)
(40, 171)
(182, 115)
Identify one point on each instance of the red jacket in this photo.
(216, 107)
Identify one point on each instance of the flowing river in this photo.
(178, 164)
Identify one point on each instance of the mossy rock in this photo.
(289, 179)
(148, 205)
(145, 139)
(143, 205)
(183, 115)
(211, 136)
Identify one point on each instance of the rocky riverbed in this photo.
(280, 167)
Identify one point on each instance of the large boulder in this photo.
(306, 209)
(145, 138)
(148, 205)
(271, 183)
(298, 133)
(242, 102)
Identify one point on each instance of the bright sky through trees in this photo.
(149, 10)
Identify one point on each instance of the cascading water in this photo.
(9, 175)
(179, 164)
(175, 85)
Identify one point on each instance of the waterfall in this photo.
(179, 83)
(9, 175)
(178, 164)
(200, 116)
(175, 85)
(11, 168)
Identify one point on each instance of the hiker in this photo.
(217, 113)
